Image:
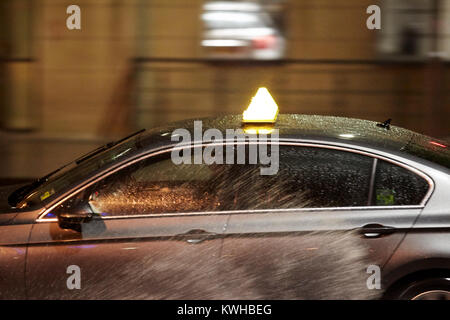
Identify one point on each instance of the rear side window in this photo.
(308, 177)
(397, 186)
(330, 178)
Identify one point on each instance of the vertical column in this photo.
(434, 77)
(16, 65)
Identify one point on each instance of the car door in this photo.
(316, 228)
(13, 249)
(149, 237)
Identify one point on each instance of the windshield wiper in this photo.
(17, 196)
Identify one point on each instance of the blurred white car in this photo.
(240, 30)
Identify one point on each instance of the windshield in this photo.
(74, 173)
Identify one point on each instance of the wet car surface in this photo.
(349, 194)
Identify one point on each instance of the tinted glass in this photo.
(311, 177)
(307, 177)
(395, 186)
(155, 186)
(74, 173)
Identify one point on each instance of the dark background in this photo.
(138, 63)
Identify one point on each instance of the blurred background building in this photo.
(143, 63)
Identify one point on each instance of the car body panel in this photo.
(13, 249)
(307, 221)
(124, 258)
(426, 246)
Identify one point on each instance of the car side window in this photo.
(157, 185)
(396, 186)
(307, 177)
(154, 186)
(310, 177)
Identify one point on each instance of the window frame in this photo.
(281, 142)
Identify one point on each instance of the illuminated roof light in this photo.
(258, 129)
(262, 108)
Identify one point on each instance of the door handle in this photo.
(376, 230)
(195, 236)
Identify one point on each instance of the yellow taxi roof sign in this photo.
(262, 108)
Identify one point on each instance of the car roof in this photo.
(349, 131)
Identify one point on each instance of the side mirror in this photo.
(73, 220)
(74, 212)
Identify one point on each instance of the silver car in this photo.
(357, 210)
